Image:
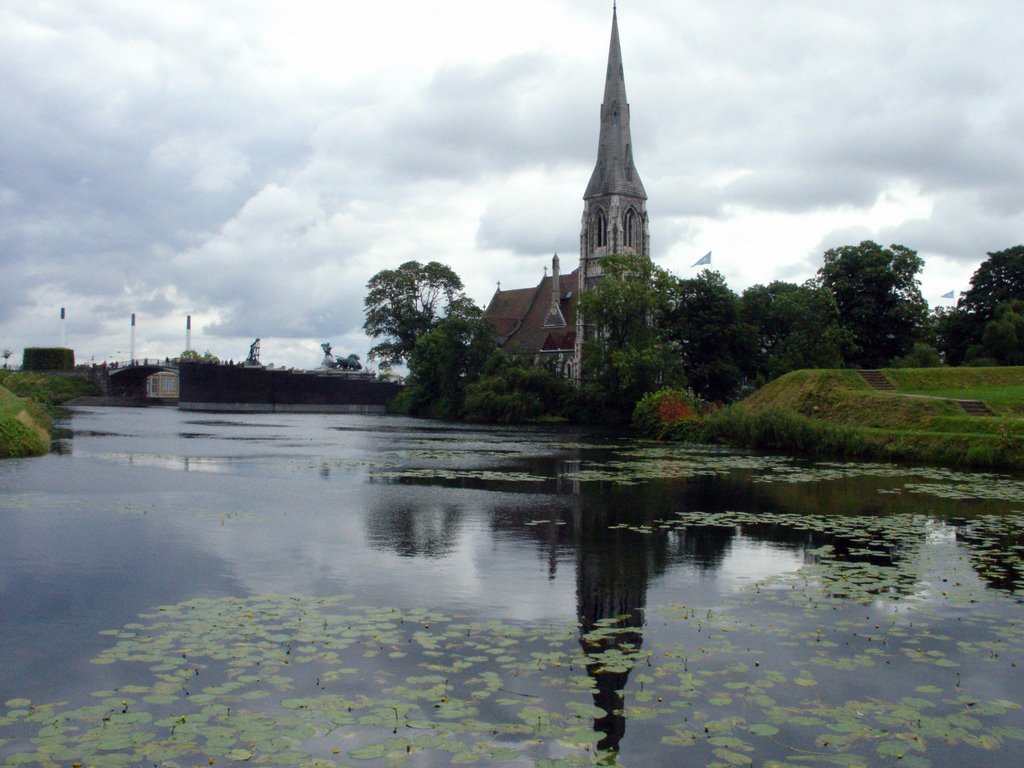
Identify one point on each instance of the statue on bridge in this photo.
(332, 363)
(253, 360)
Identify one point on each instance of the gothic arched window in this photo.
(600, 229)
(631, 226)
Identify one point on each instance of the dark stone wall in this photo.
(224, 385)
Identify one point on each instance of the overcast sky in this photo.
(253, 164)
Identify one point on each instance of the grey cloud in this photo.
(961, 229)
(804, 189)
(689, 195)
(530, 224)
(831, 107)
(469, 121)
(845, 236)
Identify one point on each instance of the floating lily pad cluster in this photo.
(631, 463)
(884, 649)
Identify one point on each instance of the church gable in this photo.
(524, 321)
(507, 311)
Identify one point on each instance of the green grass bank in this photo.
(27, 401)
(24, 427)
(837, 413)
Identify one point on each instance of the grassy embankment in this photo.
(837, 413)
(27, 401)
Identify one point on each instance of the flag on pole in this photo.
(949, 295)
(705, 259)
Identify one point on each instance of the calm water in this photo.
(348, 590)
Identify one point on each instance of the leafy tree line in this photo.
(986, 327)
(651, 330)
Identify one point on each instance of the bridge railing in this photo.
(142, 362)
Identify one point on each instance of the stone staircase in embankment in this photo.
(877, 380)
(974, 407)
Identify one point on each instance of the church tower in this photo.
(615, 202)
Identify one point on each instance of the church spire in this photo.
(614, 173)
(615, 202)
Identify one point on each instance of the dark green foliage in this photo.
(797, 326)
(628, 351)
(954, 334)
(879, 300)
(920, 356)
(512, 391)
(782, 429)
(404, 304)
(717, 348)
(444, 361)
(997, 341)
(191, 355)
(1003, 337)
(999, 280)
(48, 359)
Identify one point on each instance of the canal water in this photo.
(183, 589)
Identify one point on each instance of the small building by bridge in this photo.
(162, 385)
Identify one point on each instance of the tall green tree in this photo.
(512, 390)
(797, 326)
(879, 298)
(999, 279)
(718, 350)
(629, 352)
(446, 359)
(1002, 341)
(405, 303)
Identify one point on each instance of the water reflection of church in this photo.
(614, 568)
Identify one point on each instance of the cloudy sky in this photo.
(253, 163)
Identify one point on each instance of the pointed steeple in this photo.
(555, 318)
(615, 202)
(614, 173)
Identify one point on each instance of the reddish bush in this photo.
(672, 408)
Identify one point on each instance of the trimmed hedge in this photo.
(48, 359)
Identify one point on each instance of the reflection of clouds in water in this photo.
(748, 561)
(446, 556)
(167, 432)
(176, 463)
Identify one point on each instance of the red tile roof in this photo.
(518, 316)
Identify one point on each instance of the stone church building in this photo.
(542, 322)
